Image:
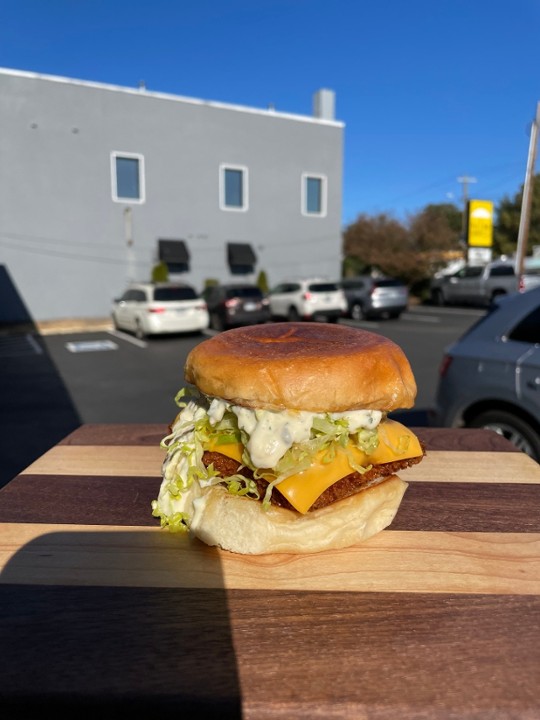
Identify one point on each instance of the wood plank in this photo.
(473, 466)
(117, 434)
(437, 466)
(282, 654)
(463, 439)
(386, 656)
(442, 506)
(102, 460)
(403, 562)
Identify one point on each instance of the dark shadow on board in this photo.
(115, 624)
(36, 409)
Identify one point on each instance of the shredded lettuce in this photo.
(194, 430)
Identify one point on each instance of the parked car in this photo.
(480, 284)
(490, 377)
(369, 297)
(235, 304)
(158, 308)
(308, 299)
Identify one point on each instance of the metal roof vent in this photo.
(324, 104)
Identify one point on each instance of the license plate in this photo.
(250, 306)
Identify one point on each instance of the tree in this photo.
(262, 282)
(375, 243)
(409, 251)
(437, 228)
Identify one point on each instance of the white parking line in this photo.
(128, 338)
(421, 318)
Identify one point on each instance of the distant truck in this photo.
(479, 284)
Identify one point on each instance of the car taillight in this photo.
(232, 302)
(521, 284)
(307, 296)
(156, 310)
(201, 306)
(445, 364)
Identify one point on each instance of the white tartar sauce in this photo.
(271, 433)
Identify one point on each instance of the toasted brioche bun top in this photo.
(318, 367)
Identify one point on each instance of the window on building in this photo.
(127, 177)
(233, 187)
(313, 194)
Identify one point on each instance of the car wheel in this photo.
(357, 311)
(139, 332)
(513, 428)
(293, 315)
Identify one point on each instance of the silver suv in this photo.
(490, 377)
(375, 297)
(308, 299)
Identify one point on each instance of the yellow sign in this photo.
(480, 223)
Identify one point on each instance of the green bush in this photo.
(160, 272)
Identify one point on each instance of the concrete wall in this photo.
(63, 237)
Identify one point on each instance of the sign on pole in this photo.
(480, 224)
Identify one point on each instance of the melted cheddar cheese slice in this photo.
(396, 442)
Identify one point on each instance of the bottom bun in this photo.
(240, 525)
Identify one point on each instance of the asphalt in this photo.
(36, 408)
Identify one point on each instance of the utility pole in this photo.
(526, 202)
(465, 181)
(128, 234)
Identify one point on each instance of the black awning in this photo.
(240, 254)
(173, 252)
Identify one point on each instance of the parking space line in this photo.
(128, 338)
(421, 318)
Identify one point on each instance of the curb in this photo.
(71, 325)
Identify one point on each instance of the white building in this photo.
(98, 183)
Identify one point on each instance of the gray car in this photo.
(374, 297)
(490, 377)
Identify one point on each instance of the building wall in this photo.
(64, 240)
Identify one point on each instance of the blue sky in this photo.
(429, 90)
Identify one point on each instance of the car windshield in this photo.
(323, 287)
(172, 294)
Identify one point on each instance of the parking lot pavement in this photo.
(37, 410)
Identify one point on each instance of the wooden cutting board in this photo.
(435, 618)
(81, 515)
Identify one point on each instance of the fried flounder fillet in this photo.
(348, 485)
